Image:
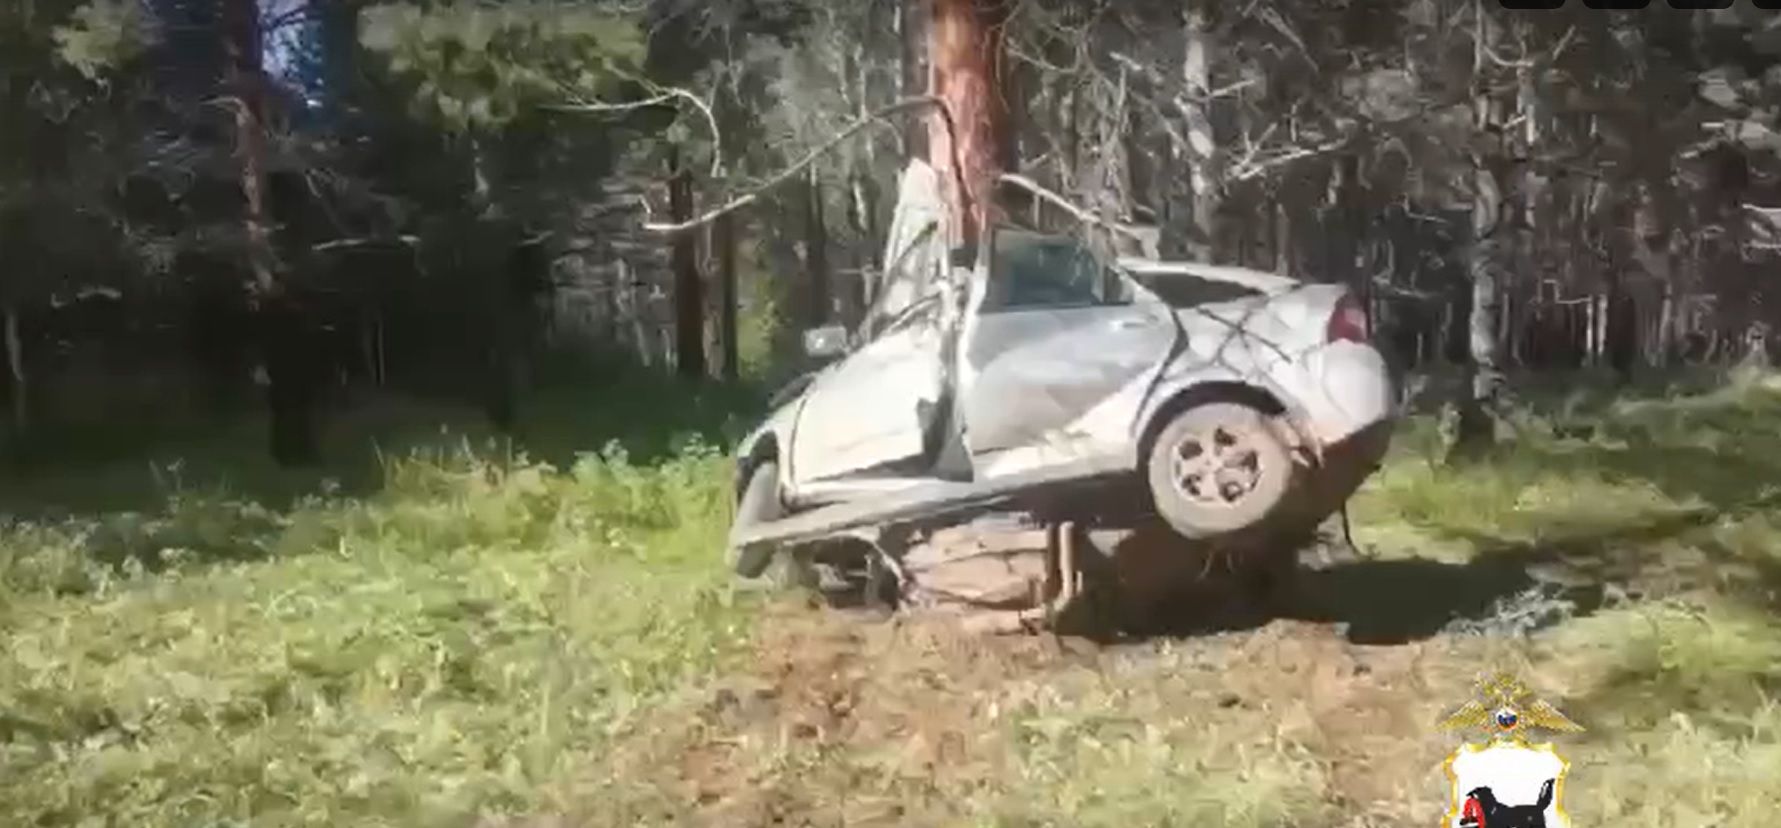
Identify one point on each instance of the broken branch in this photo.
(787, 174)
(1081, 213)
(1260, 167)
(667, 94)
(339, 244)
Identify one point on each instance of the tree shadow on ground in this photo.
(575, 409)
(212, 495)
(1514, 588)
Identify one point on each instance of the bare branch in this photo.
(1260, 167)
(1221, 92)
(666, 94)
(876, 116)
(1558, 49)
(341, 244)
(1081, 213)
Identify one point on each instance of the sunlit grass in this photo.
(480, 634)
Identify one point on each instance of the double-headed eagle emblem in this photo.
(1505, 707)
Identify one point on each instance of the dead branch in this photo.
(1260, 167)
(1081, 213)
(339, 244)
(667, 94)
(1552, 56)
(876, 116)
(1155, 77)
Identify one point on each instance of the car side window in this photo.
(1035, 271)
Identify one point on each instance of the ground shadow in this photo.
(575, 408)
(1504, 588)
(209, 493)
(1378, 602)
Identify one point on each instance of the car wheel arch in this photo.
(764, 450)
(1218, 390)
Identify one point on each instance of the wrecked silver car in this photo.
(1239, 407)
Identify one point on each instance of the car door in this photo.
(1054, 334)
(876, 406)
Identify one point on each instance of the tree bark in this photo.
(1195, 235)
(966, 55)
(15, 364)
(1476, 429)
(723, 237)
(862, 216)
(818, 297)
(290, 362)
(689, 298)
(912, 32)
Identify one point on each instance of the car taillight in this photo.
(1348, 323)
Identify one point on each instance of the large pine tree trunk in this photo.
(292, 370)
(965, 51)
(689, 295)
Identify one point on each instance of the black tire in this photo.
(760, 503)
(1210, 498)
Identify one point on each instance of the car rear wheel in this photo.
(1218, 469)
(760, 503)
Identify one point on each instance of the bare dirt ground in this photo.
(850, 718)
(1326, 717)
(848, 722)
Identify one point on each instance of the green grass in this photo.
(449, 631)
(457, 643)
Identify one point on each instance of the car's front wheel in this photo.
(760, 503)
(1218, 469)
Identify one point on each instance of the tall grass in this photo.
(462, 640)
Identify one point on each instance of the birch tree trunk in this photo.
(1195, 228)
(1476, 427)
(912, 38)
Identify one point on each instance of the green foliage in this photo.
(478, 66)
(103, 35)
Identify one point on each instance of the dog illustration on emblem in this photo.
(1507, 782)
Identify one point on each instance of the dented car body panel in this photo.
(1045, 369)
